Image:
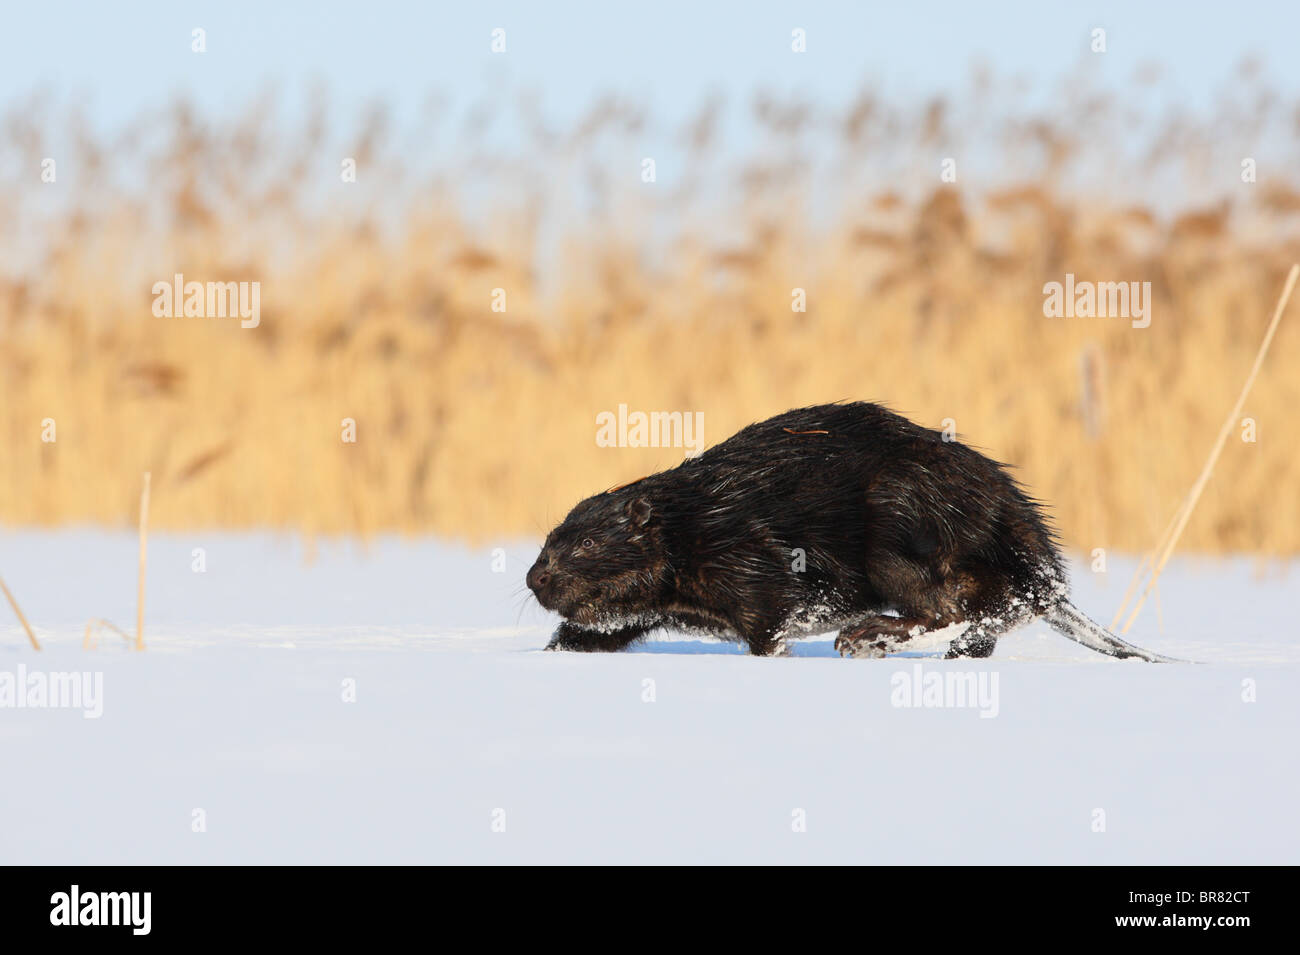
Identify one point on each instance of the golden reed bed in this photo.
(481, 424)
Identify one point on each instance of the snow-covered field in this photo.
(467, 744)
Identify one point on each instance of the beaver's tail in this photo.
(1069, 620)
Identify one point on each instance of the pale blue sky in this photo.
(119, 58)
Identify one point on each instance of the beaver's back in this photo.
(836, 479)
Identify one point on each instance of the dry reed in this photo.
(19, 614)
(377, 305)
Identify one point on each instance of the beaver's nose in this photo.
(538, 576)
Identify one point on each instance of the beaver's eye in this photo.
(588, 544)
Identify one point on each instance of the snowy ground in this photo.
(461, 726)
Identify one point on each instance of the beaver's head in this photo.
(605, 562)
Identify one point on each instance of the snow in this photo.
(237, 710)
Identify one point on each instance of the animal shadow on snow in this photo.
(802, 648)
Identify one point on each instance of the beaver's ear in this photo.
(639, 511)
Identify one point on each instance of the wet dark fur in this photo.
(888, 516)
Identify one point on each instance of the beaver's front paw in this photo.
(569, 637)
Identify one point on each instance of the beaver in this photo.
(843, 517)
